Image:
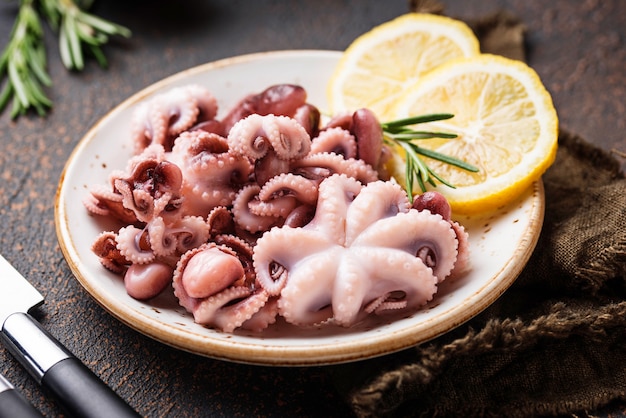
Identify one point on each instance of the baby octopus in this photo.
(212, 173)
(266, 213)
(162, 118)
(211, 283)
(366, 250)
(150, 186)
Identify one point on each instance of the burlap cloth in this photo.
(555, 342)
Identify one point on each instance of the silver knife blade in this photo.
(80, 392)
(17, 294)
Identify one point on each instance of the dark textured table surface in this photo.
(577, 47)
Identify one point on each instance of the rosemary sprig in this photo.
(400, 132)
(79, 29)
(23, 73)
(23, 64)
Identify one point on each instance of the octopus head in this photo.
(207, 270)
(254, 135)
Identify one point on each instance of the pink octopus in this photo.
(366, 250)
(212, 284)
(212, 174)
(150, 186)
(162, 118)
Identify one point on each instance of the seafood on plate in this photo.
(269, 213)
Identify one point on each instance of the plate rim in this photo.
(258, 354)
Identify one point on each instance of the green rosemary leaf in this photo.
(415, 168)
(411, 135)
(37, 61)
(17, 109)
(447, 159)
(98, 55)
(422, 187)
(36, 94)
(414, 120)
(5, 95)
(49, 10)
(104, 26)
(74, 46)
(64, 49)
(409, 175)
(439, 179)
(18, 84)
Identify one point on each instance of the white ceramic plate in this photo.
(501, 242)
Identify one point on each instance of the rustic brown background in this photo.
(577, 47)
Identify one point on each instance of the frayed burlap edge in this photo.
(384, 395)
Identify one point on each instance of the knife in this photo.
(80, 392)
(13, 403)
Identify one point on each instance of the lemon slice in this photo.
(506, 125)
(380, 64)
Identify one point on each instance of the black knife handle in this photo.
(85, 395)
(80, 392)
(13, 404)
